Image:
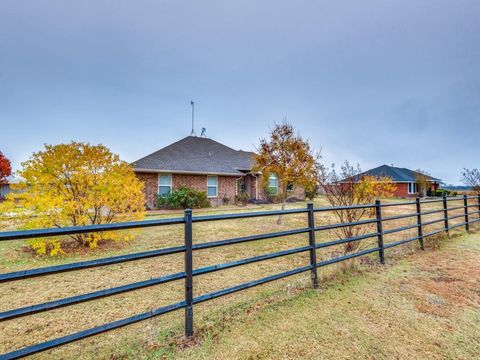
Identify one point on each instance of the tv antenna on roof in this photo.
(193, 119)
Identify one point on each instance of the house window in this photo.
(273, 184)
(290, 186)
(212, 186)
(164, 184)
(412, 188)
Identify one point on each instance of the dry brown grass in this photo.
(425, 307)
(29, 330)
(452, 283)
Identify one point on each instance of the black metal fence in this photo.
(189, 248)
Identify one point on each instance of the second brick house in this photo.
(404, 179)
(204, 165)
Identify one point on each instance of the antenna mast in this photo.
(193, 119)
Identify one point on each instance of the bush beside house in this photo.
(183, 198)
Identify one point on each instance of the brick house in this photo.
(405, 179)
(204, 165)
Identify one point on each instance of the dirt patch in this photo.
(452, 286)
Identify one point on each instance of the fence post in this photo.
(378, 211)
(419, 223)
(465, 204)
(479, 206)
(188, 274)
(445, 215)
(311, 240)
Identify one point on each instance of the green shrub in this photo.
(440, 192)
(183, 198)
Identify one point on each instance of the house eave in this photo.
(394, 181)
(186, 172)
(406, 182)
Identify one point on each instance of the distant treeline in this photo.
(456, 187)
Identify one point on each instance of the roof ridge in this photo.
(163, 148)
(216, 142)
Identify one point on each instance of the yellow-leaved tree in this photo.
(74, 184)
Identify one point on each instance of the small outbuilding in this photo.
(5, 188)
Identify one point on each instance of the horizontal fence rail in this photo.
(189, 248)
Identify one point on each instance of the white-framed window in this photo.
(412, 188)
(212, 186)
(164, 184)
(273, 184)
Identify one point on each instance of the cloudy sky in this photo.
(374, 82)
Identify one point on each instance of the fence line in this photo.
(189, 248)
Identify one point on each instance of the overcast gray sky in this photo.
(374, 82)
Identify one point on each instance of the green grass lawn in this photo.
(163, 335)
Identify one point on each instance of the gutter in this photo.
(157, 171)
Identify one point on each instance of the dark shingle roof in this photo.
(395, 173)
(197, 155)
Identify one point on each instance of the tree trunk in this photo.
(284, 201)
(81, 239)
(280, 217)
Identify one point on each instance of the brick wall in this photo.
(197, 182)
(402, 190)
(150, 189)
(227, 186)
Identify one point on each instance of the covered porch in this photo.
(249, 184)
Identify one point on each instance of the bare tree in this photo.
(471, 177)
(346, 189)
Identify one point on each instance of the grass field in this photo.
(425, 306)
(214, 321)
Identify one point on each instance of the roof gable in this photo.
(197, 155)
